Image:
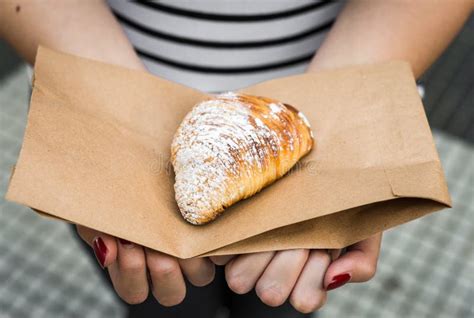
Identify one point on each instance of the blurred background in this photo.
(426, 268)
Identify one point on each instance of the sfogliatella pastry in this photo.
(231, 146)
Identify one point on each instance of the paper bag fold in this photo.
(97, 144)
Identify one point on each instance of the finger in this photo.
(309, 293)
(221, 259)
(358, 264)
(167, 280)
(199, 271)
(128, 274)
(243, 271)
(104, 245)
(280, 276)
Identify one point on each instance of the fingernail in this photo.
(339, 280)
(125, 243)
(100, 251)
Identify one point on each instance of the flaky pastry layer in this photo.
(229, 147)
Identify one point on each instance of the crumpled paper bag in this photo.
(97, 145)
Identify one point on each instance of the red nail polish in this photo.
(339, 280)
(124, 242)
(100, 251)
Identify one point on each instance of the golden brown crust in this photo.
(230, 147)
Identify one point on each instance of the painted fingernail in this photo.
(125, 242)
(100, 251)
(339, 280)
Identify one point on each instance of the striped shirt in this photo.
(225, 45)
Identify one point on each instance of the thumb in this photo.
(104, 245)
(358, 264)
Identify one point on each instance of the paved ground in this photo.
(426, 268)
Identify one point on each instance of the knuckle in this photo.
(307, 303)
(305, 308)
(135, 298)
(202, 277)
(132, 265)
(171, 300)
(219, 260)
(81, 232)
(164, 268)
(237, 284)
(368, 270)
(321, 302)
(271, 295)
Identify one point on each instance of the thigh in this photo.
(250, 306)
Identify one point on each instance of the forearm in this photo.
(83, 27)
(373, 31)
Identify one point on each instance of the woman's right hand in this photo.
(128, 264)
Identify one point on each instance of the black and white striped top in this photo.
(225, 44)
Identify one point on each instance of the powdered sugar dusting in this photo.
(222, 148)
(276, 108)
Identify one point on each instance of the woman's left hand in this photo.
(302, 276)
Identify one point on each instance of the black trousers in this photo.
(204, 302)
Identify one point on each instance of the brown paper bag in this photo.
(97, 146)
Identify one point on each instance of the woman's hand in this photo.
(302, 276)
(128, 264)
